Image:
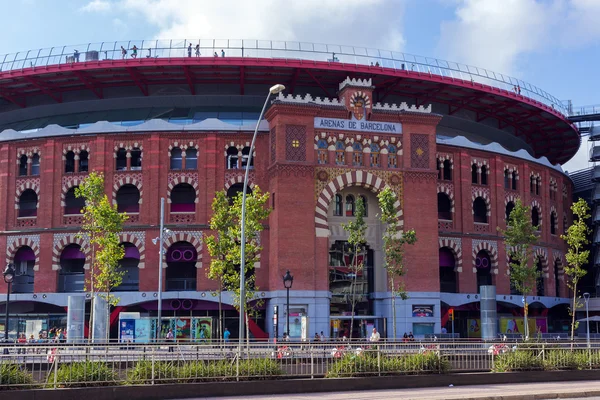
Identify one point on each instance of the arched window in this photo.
(357, 155)
(484, 175)
(181, 267)
(480, 211)
(539, 281)
(474, 174)
(538, 185)
(439, 168)
(136, 159)
(71, 276)
(448, 281)
(235, 189)
(556, 278)
(514, 180)
(121, 160)
(28, 202)
(374, 155)
(73, 205)
(35, 164)
(392, 157)
(84, 161)
(339, 206)
(24, 262)
(246, 157)
(176, 160)
(553, 223)
(128, 199)
(447, 170)
(483, 264)
(183, 198)
(340, 153)
(191, 158)
(509, 207)
(23, 165)
(535, 217)
(444, 206)
(532, 184)
(69, 162)
(506, 179)
(365, 204)
(322, 151)
(128, 265)
(349, 206)
(232, 158)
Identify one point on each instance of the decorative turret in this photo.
(357, 95)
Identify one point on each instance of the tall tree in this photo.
(225, 245)
(356, 250)
(101, 226)
(576, 238)
(393, 247)
(520, 236)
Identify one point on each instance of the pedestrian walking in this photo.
(226, 335)
(198, 50)
(170, 338)
(190, 50)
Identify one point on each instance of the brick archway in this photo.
(456, 249)
(557, 258)
(182, 179)
(354, 178)
(238, 179)
(510, 197)
(486, 198)
(127, 180)
(193, 238)
(29, 184)
(139, 244)
(76, 181)
(62, 241)
(447, 191)
(541, 254)
(490, 249)
(13, 247)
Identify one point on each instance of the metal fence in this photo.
(61, 365)
(151, 49)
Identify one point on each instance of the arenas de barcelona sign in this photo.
(357, 125)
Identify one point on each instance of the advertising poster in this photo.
(143, 330)
(127, 330)
(541, 325)
(420, 311)
(202, 329)
(474, 327)
(183, 328)
(515, 325)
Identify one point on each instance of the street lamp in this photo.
(9, 275)
(586, 297)
(160, 240)
(288, 281)
(272, 91)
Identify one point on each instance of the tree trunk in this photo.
(573, 309)
(393, 306)
(526, 323)
(107, 317)
(354, 279)
(220, 327)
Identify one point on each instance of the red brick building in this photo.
(457, 153)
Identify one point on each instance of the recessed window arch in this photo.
(444, 206)
(374, 155)
(232, 157)
(553, 223)
(191, 158)
(447, 265)
(392, 156)
(507, 179)
(509, 207)
(514, 180)
(235, 189)
(181, 267)
(340, 153)
(136, 159)
(483, 265)
(28, 203)
(121, 159)
(535, 217)
(350, 206)
(357, 155)
(73, 205)
(338, 210)
(35, 164)
(69, 162)
(129, 266)
(71, 276)
(474, 174)
(24, 263)
(538, 185)
(480, 211)
(23, 165)
(565, 227)
(128, 199)
(447, 170)
(84, 161)
(183, 198)
(176, 161)
(484, 176)
(246, 157)
(322, 151)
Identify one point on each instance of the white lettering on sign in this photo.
(357, 126)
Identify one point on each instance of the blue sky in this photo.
(553, 44)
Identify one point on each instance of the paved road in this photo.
(535, 391)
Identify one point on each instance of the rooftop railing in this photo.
(137, 50)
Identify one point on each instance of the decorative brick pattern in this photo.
(14, 243)
(175, 178)
(27, 183)
(138, 239)
(192, 237)
(484, 193)
(183, 144)
(419, 147)
(69, 181)
(29, 152)
(121, 179)
(447, 188)
(557, 257)
(273, 142)
(454, 244)
(541, 253)
(295, 143)
(62, 240)
(342, 181)
(510, 197)
(491, 247)
(76, 148)
(231, 178)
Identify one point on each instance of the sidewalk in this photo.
(533, 391)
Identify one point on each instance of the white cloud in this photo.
(368, 23)
(96, 6)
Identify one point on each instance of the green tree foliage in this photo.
(356, 250)
(224, 246)
(393, 246)
(101, 226)
(576, 238)
(520, 236)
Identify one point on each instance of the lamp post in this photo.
(9, 275)
(273, 90)
(160, 241)
(586, 297)
(288, 281)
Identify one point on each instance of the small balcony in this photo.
(181, 285)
